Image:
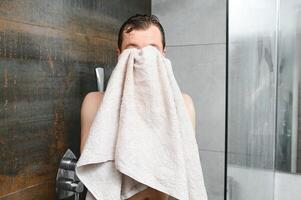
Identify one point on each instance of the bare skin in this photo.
(141, 38)
(88, 111)
(138, 39)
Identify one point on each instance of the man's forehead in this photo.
(142, 37)
(151, 28)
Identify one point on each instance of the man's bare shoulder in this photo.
(188, 100)
(94, 96)
(89, 109)
(91, 103)
(190, 108)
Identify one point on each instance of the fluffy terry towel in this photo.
(142, 135)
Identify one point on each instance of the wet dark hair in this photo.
(140, 22)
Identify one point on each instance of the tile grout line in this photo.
(202, 44)
(216, 151)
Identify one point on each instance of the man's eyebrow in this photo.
(131, 44)
(152, 44)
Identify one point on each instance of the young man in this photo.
(138, 31)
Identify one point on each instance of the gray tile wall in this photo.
(196, 45)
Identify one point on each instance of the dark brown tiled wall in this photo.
(48, 52)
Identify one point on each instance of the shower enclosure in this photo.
(263, 71)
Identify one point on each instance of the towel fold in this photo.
(142, 135)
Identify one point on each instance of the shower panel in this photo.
(252, 78)
(264, 95)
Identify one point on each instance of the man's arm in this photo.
(89, 109)
(190, 109)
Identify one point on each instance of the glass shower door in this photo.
(251, 99)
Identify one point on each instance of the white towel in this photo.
(142, 135)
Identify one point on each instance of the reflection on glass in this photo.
(288, 141)
(264, 95)
(252, 73)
